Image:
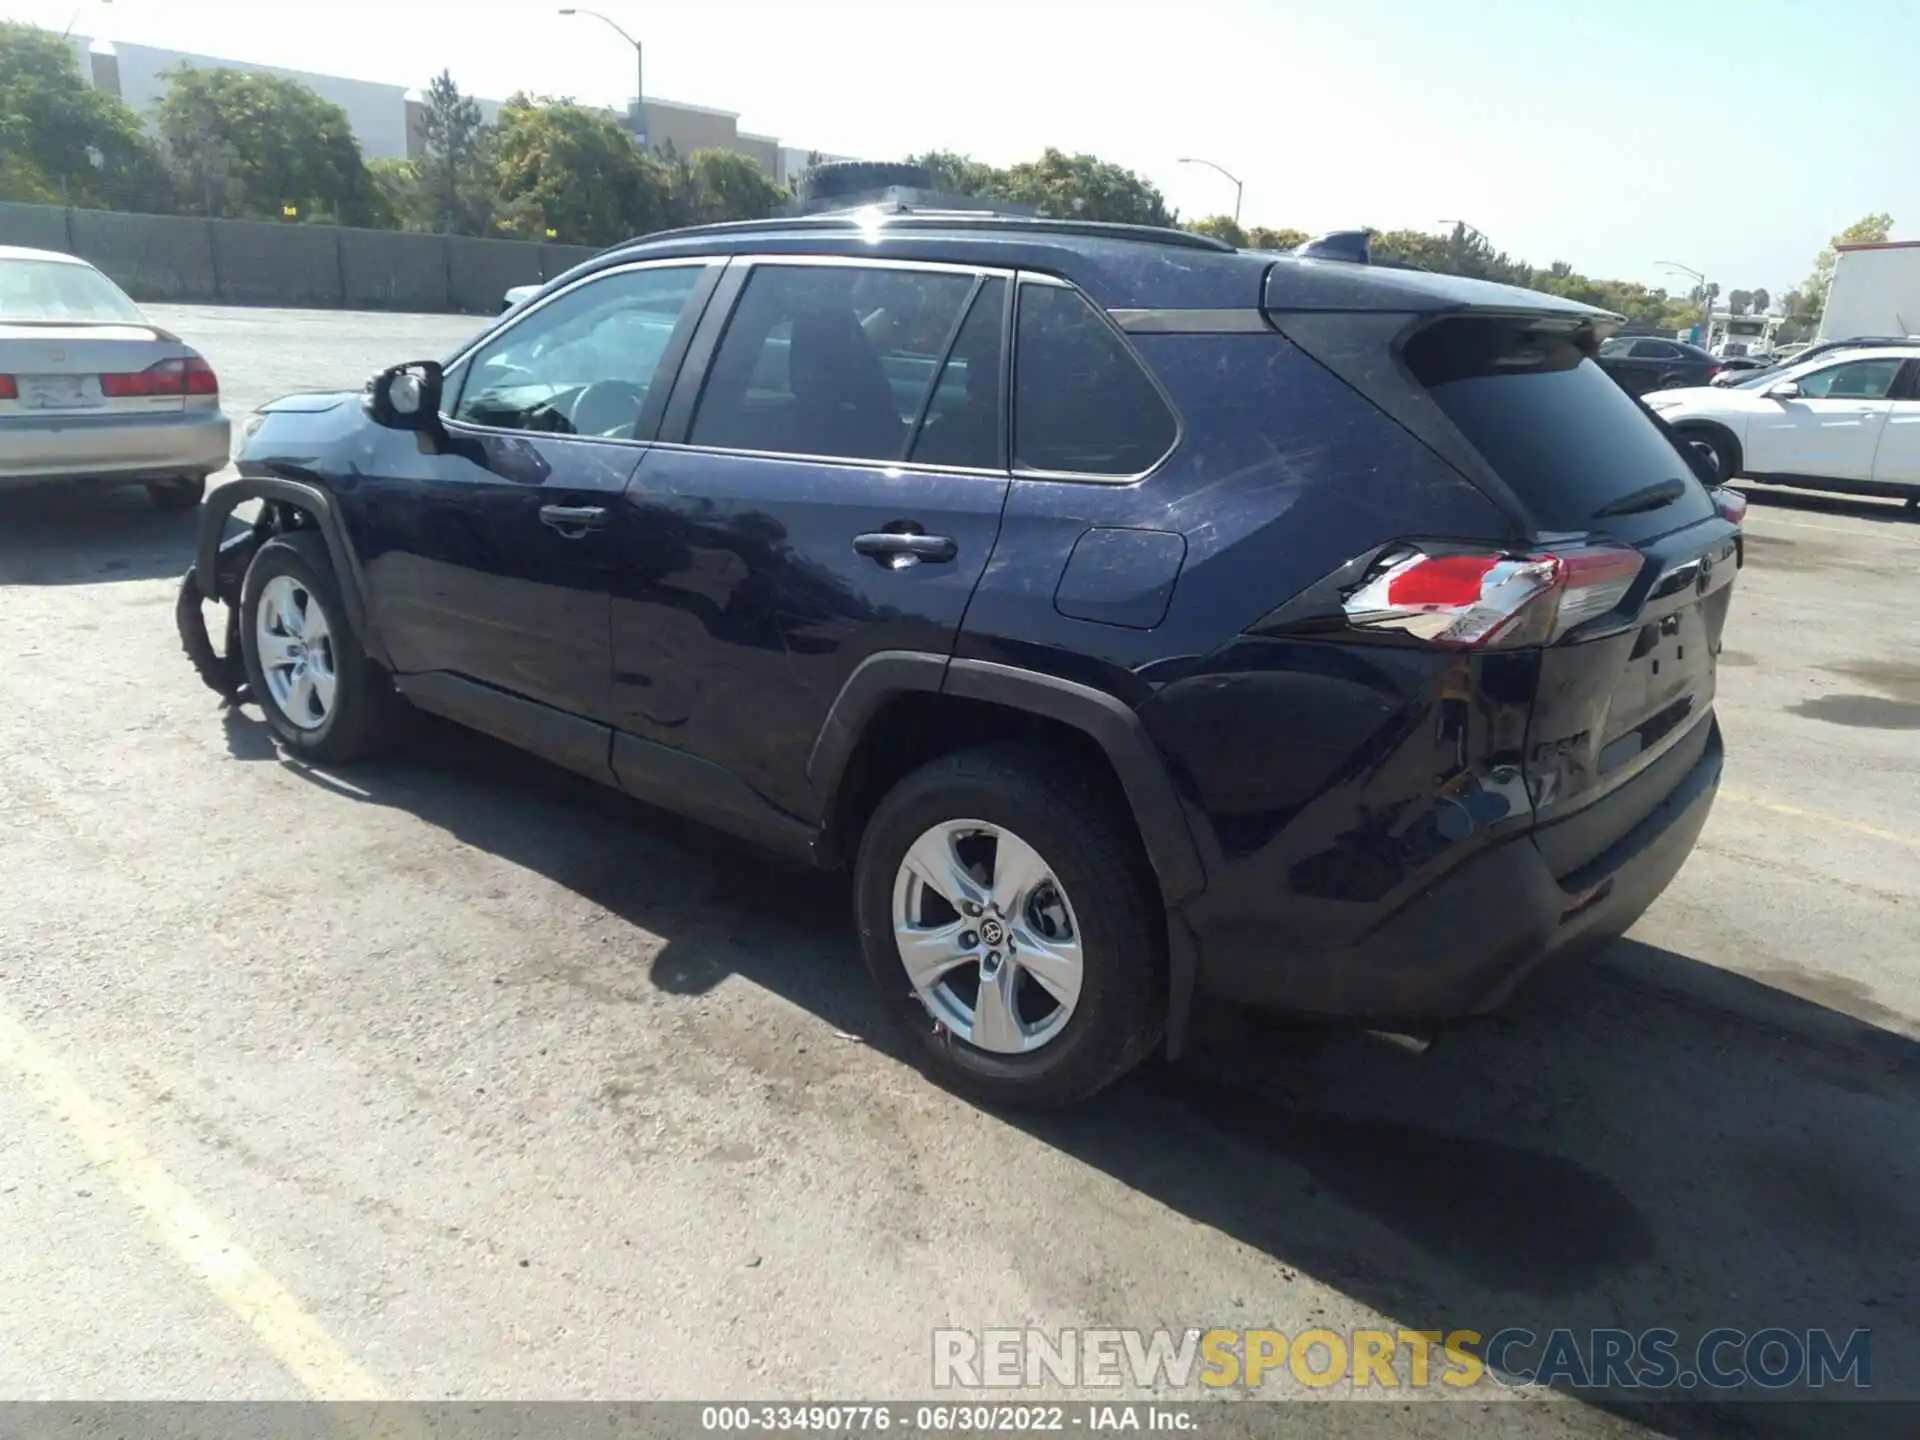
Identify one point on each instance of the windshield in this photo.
(51, 290)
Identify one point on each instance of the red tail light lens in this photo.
(9, 388)
(192, 376)
(1473, 602)
(1731, 504)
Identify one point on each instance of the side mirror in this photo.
(1785, 390)
(406, 397)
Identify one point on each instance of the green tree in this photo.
(1739, 301)
(958, 174)
(61, 139)
(730, 186)
(1083, 187)
(1812, 293)
(1761, 299)
(1220, 227)
(577, 171)
(247, 144)
(1262, 238)
(455, 188)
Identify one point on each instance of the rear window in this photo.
(52, 290)
(1555, 427)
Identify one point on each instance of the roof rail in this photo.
(901, 217)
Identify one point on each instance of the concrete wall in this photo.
(151, 257)
(259, 262)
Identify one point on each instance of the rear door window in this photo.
(962, 424)
(1081, 403)
(1557, 430)
(1655, 350)
(830, 360)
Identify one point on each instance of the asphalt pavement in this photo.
(454, 1076)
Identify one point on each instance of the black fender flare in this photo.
(1107, 720)
(315, 502)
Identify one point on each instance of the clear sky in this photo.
(1734, 136)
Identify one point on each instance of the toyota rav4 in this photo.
(1138, 619)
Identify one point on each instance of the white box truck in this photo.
(1875, 291)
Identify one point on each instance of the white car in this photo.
(518, 294)
(1848, 421)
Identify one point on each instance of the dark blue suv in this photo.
(1138, 618)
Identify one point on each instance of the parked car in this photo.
(1643, 362)
(1075, 585)
(1732, 367)
(1847, 420)
(516, 295)
(92, 391)
(1799, 354)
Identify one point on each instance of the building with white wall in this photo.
(386, 118)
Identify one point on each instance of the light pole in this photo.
(1706, 300)
(1237, 187)
(639, 69)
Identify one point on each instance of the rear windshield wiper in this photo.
(1647, 497)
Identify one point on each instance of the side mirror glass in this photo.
(1785, 390)
(407, 397)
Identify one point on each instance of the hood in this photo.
(308, 402)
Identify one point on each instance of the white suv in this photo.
(1848, 421)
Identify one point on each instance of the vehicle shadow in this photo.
(1641, 1141)
(89, 535)
(1892, 512)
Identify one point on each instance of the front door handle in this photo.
(573, 521)
(897, 551)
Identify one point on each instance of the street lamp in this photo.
(639, 69)
(1237, 187)
(1706, 300)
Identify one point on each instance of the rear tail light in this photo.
(1473, 602)
(1713, 372)
(9, 388)
(192, 376)
(1731, 504)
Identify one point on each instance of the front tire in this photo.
(1726, 455)
(1012, 924)
(324, 698)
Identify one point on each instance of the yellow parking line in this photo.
(215, 1258)
(1834, 820)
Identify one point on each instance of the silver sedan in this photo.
(91, 390)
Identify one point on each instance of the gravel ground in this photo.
(451, 1075)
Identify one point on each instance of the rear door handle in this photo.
(573, 521)
(897, 551)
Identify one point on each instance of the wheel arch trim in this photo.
(314, 501)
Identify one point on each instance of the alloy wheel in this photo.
(988, 937)
(295, 646)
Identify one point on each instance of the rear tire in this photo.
(181, 494)
(1095, 900)
(324, 698)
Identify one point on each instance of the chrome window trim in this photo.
(917, 467)
(1083, 477)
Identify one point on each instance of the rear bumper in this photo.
(1461, 946)
(131, 448)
